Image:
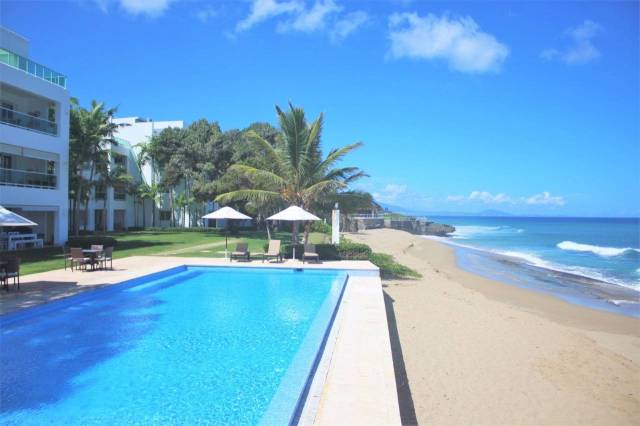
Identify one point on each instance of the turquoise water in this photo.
(189, 346)
(594, 261)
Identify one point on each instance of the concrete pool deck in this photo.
(355, 381)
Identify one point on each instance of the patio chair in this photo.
(79, 259)
(241, 252)
(310, 253)
(67, 256)
(106, 256)
(11, 269)
(273, 251)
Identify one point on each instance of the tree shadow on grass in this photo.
(407, 409)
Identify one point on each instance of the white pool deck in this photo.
(354, 383)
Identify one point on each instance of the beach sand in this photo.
(469, 350)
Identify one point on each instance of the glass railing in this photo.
(33, 68)
(20, 119)
(14, 177)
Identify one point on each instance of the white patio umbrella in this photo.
(226, 213)
(294, 214)
(9, 218)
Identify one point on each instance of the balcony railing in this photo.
(20, 119)
(14, 177)
(33, 68)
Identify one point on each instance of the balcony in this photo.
(26, 121)
(14, 177)
(20, 62)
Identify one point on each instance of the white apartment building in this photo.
(114, 206)
(34, 139)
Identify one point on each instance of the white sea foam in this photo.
(465, 232)
(533, 260)
(600, 251)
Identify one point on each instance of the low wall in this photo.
(414, 226)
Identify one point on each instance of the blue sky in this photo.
(529, 108)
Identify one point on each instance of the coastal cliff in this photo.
(414, 226)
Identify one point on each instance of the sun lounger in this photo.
(273, 252)
(310, 253)
(241, 252)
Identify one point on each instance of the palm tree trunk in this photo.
(307, 229)
(144, 215)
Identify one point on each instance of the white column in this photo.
(335, 225)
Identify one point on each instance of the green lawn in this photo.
(161, 243)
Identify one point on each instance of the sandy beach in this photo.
(469, 350)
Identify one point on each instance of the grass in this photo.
(208, 243)
(389, 268)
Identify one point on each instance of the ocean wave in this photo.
(465, 232)
(599, 250)
(533, 260)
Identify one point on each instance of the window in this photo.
(165, 215)
(120, 192)
(120, 160)
(100, 192)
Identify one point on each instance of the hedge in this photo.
(321, 227)
(346, 250)
(87, 241)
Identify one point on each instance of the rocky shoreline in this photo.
(413, 226)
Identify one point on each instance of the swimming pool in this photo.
(191, 345)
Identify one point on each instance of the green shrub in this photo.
(325, 251)
(87, 241)
(321, 227)
(389, 268)
(348, 250)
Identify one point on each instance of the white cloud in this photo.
(390, 193)
(350, 23)
(207, 13)
(146, 7)
(262, 10)
(458, 41)
(310, 20)
(322, 16)
(487, 197)
(545, 198)
(582, 50)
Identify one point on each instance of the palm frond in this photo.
(270, 151)
(254, 195)
(337, 154)
(258, 175)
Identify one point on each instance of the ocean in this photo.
(593, 262)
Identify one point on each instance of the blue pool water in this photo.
(592, 261)
(191, 345)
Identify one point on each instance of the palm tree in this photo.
(150, 192)
(90, 132)
(298, 175)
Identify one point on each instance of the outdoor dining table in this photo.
(93, 254)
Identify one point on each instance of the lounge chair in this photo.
(241, 252)
(273, 252)
(79, 259)
(11, 269)
(106, 256)
(310, 253)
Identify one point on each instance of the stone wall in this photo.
(414, 226)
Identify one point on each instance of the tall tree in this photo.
(90, 133)
(297, 173)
